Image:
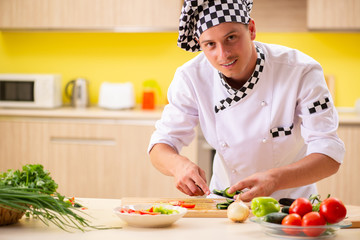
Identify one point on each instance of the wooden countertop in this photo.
(91, 112)
(101, 212)
(136, 113)
(349, 118)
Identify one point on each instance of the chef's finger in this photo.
(183, 188)
(201, 183)
(197, 191)
(203, 176)
(241, 185)
(194, 188)
(190, 188)
(249, 195)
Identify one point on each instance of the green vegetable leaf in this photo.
(33, 192)
(32, 176)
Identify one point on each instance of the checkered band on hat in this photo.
(199, 15)
(281, 131)
(237, 95)
(319, 105)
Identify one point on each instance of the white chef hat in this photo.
(199, 15)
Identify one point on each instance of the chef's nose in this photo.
(223, 51)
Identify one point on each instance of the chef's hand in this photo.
(258, 184)
(190, 179)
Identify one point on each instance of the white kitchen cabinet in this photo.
(105, 158)
(333, 14)
(114, 15)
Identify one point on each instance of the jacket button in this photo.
(264, 140)
(224, 145)
(263, 103)
(233, 171)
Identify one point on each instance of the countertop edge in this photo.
(94, 112)
(84, 113)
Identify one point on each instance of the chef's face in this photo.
(229, 48)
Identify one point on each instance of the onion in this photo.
(238, 211)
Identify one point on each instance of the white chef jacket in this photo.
(288, 114)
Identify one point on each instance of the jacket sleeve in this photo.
(179, 117)
(319, 116)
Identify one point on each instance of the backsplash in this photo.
(137, 57)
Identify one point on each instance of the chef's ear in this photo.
(252, 29)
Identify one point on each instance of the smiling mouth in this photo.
(228, 64)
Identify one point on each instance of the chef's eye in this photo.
(231, 37)
(209, 45)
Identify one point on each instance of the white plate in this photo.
(161, 220)
(297, 232)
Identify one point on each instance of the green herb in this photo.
(33, 191)
(32, 176)
(43, 206)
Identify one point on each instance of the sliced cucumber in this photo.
(229, 200)
(218, 192)
(227, 194)
(222, 205)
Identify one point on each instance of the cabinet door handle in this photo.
(83, 141)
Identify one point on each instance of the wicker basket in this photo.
(10, 216)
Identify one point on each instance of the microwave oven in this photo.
(30, 90)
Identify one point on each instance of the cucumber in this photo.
(222, 206)
(285, 209)
(275, 217)
(229, 200)
(226, 194)
(218, 192)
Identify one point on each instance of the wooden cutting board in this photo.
(353, 214)
(206, 207)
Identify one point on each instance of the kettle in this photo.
(79, 94)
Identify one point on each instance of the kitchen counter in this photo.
(91, 112)
(349, 118)
(101, 211)
(135, 113)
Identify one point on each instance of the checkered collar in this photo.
(237, 95)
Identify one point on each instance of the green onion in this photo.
(33, 192)
(47, 208)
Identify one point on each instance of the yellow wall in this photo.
(136, 57)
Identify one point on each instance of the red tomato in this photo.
(177, 203)
(182, 204)
(313, 219)
(148, 213)
(188, 205)
(292, 219)
(301, 206)
(333, 210)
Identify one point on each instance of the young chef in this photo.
(264, 108)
